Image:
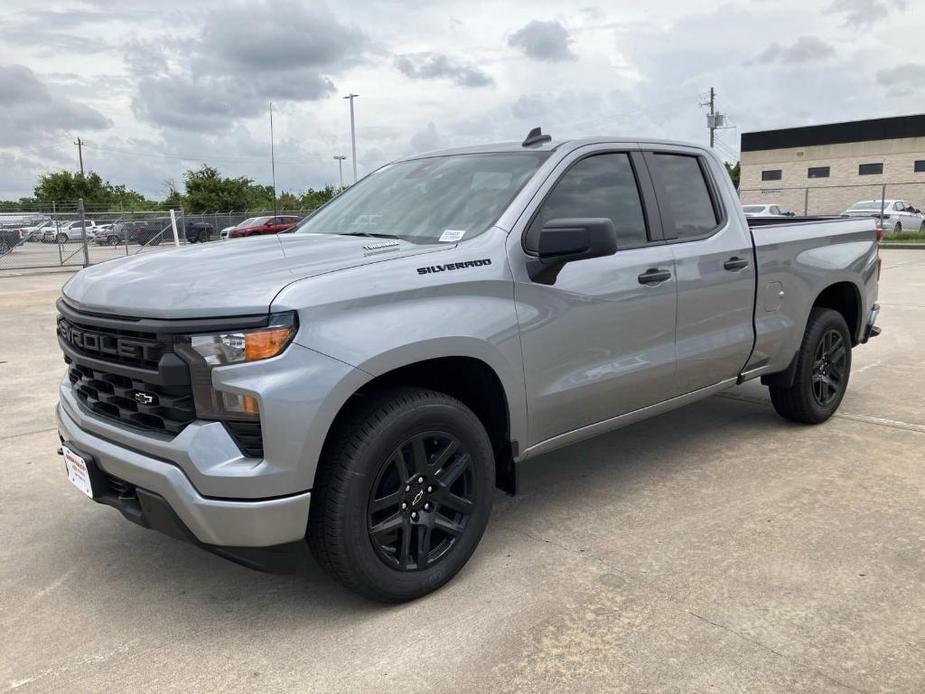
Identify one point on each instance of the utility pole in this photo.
(340, 168)
(353, 135)
(712, 121)
(715, 121)
(80, 155)
(272, 157)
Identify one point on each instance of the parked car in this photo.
(62, 232)
(264, 225)
(898, 215)
(153, 231)
(361, 390)
(36, 231)
(9, 239)
(223, 234)
(768, 210)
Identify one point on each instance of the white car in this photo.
(70, 231)
(769, 210)
(898, 215)
(36, 231)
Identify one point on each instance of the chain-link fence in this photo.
(897, 205)
(65, 235)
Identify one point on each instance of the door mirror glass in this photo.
(565, 240)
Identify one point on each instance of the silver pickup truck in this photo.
(361, 386)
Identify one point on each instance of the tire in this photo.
(898, 228)
(62, 238)
(155, 241)
(922, 228)
(822, 371)
(203, 236)
(112, 240)
(371, 466)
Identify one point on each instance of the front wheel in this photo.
(403, 494)
(112, 240)
(823, 367)
(62, 238)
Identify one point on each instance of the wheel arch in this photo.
(844, 297)
(469, 379)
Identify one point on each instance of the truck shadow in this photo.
(146, 574)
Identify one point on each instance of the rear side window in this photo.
(603, 185)
(684, 195)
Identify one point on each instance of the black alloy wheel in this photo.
(829, 368)
(421, 501)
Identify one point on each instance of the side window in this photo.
(775, 209)
(685, 195)
(603, 185)
(899, 206)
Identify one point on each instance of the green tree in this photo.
(312, 198)
(288, 201)
(208, 191)
(734, 172)
(64, 186)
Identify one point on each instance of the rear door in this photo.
(714, 266)
(598, 335)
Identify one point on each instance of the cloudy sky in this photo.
(155, 88)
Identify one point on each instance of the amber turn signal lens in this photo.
(263, 344)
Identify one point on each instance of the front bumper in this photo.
(219, 524)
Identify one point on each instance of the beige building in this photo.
(823, 169)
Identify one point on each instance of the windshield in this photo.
(428, 200)
(872, 205)
(753, 208)
(247, 222)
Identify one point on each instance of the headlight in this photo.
(205, 352)
(250, 345)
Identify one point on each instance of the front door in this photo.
(598, 338)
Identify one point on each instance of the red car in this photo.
(264, 225)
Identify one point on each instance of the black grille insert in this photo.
(131, 401)
(248, 436)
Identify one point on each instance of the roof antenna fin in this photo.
(536, 137)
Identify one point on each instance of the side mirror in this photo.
(268, 223)
(565, 240)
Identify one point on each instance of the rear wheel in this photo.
(823, 368)
(203, 236)
(403, 494)
(62, 238)
(112, 240)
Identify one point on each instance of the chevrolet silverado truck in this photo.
(362, 386)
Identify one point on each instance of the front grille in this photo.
(113, 396)
(130, 371)
(112, 344)
(248, 436)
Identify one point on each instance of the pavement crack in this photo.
(27, 433)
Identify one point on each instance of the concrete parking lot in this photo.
(716, 548)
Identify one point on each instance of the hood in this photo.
(232, 278)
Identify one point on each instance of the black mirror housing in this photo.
(578, 238)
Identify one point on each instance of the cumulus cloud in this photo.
(427, 139)
(240, 62)
(543, 41)
(806, 49)
(432, 66)
(31, 112)
(860, 13)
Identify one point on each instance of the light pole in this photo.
(353, 135)
(340, 168)
(273, 157)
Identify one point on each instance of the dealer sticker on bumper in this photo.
(77, 471)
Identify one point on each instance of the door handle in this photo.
(654, 276)
(735, 263)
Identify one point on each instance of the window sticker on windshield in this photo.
(452, 235)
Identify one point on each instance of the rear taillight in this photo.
(879, 233)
